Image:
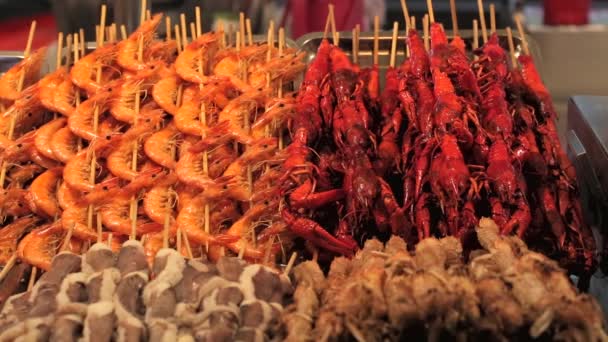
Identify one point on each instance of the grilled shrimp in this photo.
(285, 68)
(29, 67)
(159, 201)
(66, 196)
(84, 71)
(189, 169)
(241, 228)
(161, 146)
(77, 171)
(40, 246)
(64, 145)
(17, 151)
(44, 135)
(188, 117)
(57, 92)
(165, 92)
(119, 159)
(115, 215)
(27, 113)
(199, 52)
(42, 193)
(11, 233)
(191, 219)
(259, 151)
(18, 175)
(277, 112)
(75, 218)
(147, 178)
(164, 51)
(123, 106)
(14, 202)
(128, 48)
(236, 111)
(81, 122)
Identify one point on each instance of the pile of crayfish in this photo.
(141, 139)
(449, 140)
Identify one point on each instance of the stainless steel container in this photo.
(309, 43)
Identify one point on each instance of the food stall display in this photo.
(157, 185)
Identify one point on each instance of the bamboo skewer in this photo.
(8, 266)
(376, 39)
(431, 14)
(333, 22)
(33, 275)
(492, 18)
(168, 27)
(522, 35)
(356, 44)
(59, 54)
(249, 32)
(454, 17)
(100, 41)
(475, 38)
(134, 199)
(26, 53)
(291, 262)
(68, 40)
(511, 48)
(83, 41)
(123, 32)
(182, 20)
(242, 28)
(142, 15)
(199, 28)
(482, 20)
(425, 32)
(406, 15)
(394, 44)
(193, 31)
(413, 23)
(178, 39)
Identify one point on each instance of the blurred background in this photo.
(70, 15)
(569, 56)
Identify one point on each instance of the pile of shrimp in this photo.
(144, 139)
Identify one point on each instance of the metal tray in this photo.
(309, 43)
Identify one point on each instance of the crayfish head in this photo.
(358, 137)
(365, 186)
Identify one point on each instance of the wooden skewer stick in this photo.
(413, 23)
(33, 276)
(178, 39)
(68, 59)
(482, 20)
(249, 32)
(193, 31)
(454, 17)
(522, 35)
(66, 241)
(242, 28)
(182, 20)
(291, 262)
(425, 31)
(26, 53)
(187, 244)
(332, 22)
(142, 15)
(168, 27)
(394, 44)
(356, 44)
(11, 129)
(492, 18)
(82, 42)
(475, 37)
(199, 28)
(7, 267)
(59, 55)
(327, 23)
(148, 14)
(123, 32)
(376, 39)
(511, 48)
(406, 16)
(429, 5)
(134, 199)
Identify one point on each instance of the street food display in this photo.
(155, 189)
